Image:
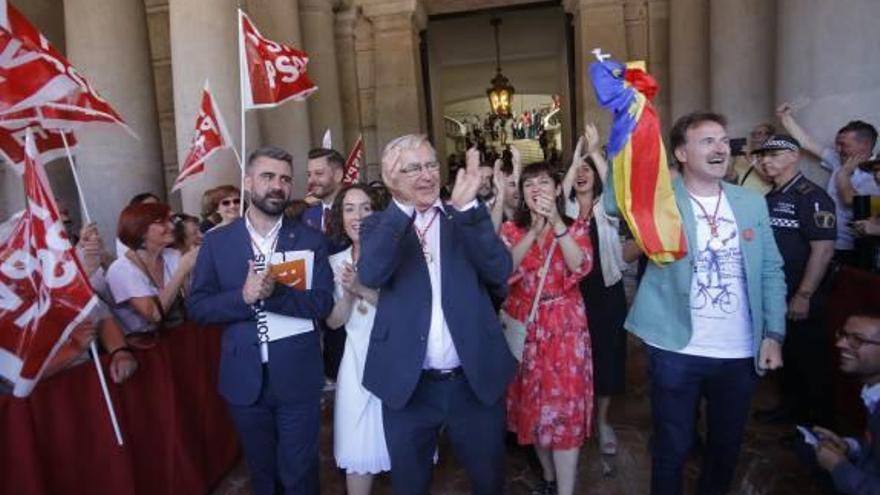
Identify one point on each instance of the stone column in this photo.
(286, 126)
(658, 55)
(400, 104)
(825, 53)
(597, 23)
(346, 58)
(107, 42)
(688, 56)
(742, 55)
(325, 107)
(364, 61)
(204, 44)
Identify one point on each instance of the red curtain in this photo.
(177, 431)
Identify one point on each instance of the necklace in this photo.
(422, 233)
(714, 242)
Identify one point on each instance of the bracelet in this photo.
(563, 234)
(805, 295)
(121, 348)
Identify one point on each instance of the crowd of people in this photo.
(496, 304)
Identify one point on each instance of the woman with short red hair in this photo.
(147, 283)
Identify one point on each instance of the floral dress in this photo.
(550, 401)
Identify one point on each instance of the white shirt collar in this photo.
(437, 204)
(871, 396)
(272, 232)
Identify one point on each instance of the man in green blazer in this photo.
(713, 320)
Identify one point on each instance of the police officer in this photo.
(803, 222)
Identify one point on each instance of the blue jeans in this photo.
(678, 382)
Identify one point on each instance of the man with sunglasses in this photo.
(805, 228)
(854, 465)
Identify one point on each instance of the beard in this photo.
(272, 203)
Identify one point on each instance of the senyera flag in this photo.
(210, 136)
(44, 294)
(274, 73)
(640, 173)
(355, 162)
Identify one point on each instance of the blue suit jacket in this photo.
(312, 218)
(295, 364)
(474, 264)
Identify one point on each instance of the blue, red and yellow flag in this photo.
(639, 171)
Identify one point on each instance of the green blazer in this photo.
(661, 315)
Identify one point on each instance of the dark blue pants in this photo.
(475, 430)
(678, 383)
(280, 442)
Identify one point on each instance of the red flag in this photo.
(82, 106)
(210, 136)
(354, 163)
(275, 72)
(27, 77)
(49, 145)
(44, 294)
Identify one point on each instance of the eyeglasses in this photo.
(415, 169)
(855, 341)
(228, 202)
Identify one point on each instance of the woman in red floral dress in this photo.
(550, 401)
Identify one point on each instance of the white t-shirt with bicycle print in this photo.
(720, 318)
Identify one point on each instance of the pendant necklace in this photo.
(715, 243)
(421, 235)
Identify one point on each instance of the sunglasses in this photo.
(229, 202)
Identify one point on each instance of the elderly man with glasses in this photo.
(437, 357)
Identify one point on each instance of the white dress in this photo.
(359, 436)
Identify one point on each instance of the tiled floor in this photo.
(765, 467)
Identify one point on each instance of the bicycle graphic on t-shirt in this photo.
(714, 290)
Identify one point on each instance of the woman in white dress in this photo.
(359, 436)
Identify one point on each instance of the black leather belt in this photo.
(447, 374)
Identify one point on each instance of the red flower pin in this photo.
(748, 234)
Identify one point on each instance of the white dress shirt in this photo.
(264, 245)
(441, 353)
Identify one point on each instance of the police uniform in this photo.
(800, 212)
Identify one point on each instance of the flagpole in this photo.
(93, 347)
(242, 67)
(82, 199)
(101, 378)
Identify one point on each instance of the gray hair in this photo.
(273, 152)
(400, 144)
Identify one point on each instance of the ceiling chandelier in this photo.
(501, 93)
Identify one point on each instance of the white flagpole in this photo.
(79, 189)
(93, 347)
(94, 351)
(242, 73)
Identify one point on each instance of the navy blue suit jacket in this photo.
(295, 364)
(312, 218)
(474, 263)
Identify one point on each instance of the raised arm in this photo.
(785, 114)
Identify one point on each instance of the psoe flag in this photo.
(640, 173)
(271, 73)
(210, 136)
(355, 162)
(44, 294)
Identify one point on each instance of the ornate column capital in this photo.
(395, 14)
